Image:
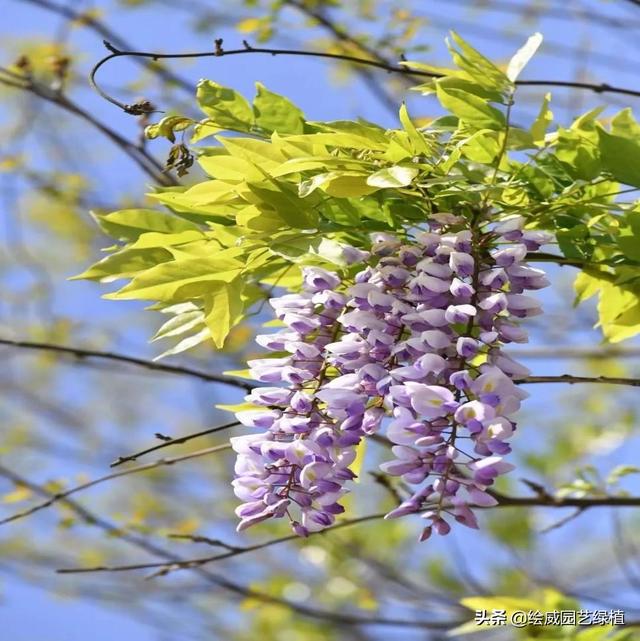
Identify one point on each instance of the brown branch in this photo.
(235, 588)
(81, 353)
(168, 442)
(571, 380)
(147, 163)
(87, 19)
(404, 70)
(563, 521)
(503, 501)
(543, 257)
(220, 378)
(567, 501)
(231, 552)
(62, 496)
(341, 35)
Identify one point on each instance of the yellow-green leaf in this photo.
(274, 112)
(389, 177)
(223, 307)
(225, 107)
(180, 280)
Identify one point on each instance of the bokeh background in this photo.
(63, 420)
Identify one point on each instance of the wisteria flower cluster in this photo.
(410, 343)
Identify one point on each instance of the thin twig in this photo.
(140, 156)
(563, 521)
(400, 69)
(220, 581)
(235, 551)
(503, 501)
(343, 36)
(571, 380)
(87, 19)
(173, 441)
(220, 378)
(79, 352)
(62, 496)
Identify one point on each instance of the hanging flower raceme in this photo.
(417, 337)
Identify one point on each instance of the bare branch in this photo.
(62, 496)
(399, 69)
(173, 441)
(140, 156)
(87, 19)
(232, 550)
(503, 501)
(563, 521)
(337, 618)
(81, 353)
(341, 35)
(227, 380)
(569, 378)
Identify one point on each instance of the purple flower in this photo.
(317, 279)
(467, 347)
(459, 313)
(398, 339)
(430, 401)
(461, 263)
(509, 255)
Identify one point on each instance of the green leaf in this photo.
(586, 286)
(620, 157)
(361, 129)
(237, 407)
(418, 141)
(156, 239)
(128, 224)
(225, 107)
(358, 462)
(522, 56)
(202, 130)
(478, 68)
(180, 280)
(278, 199)
(542, 122)
(239, 373)
(578, 154)
(625, 125)
(619, 311)
(124, 264)
(276, 113)
(341, 184)
(297, 165)
(261, 153)
(355, 140)
(620, 471)
(629, 236)
(223, 308)
(484, 146)
(186, 343)
(180, 324)
(398, 176)
(469, 108)
(232, 168)
(167, 127)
